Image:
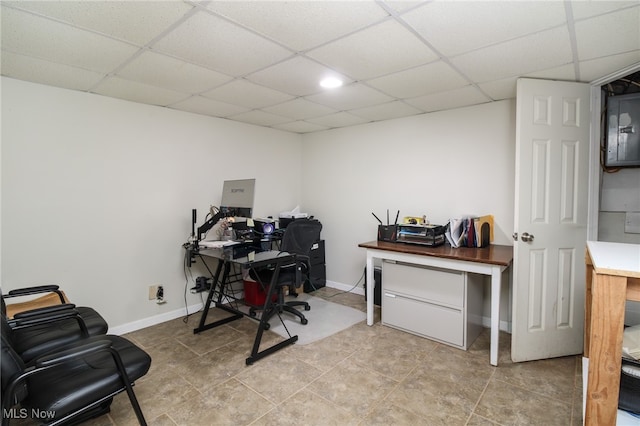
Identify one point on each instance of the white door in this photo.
(552, 160)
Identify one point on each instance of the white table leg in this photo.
(496, 283)
(369, 289)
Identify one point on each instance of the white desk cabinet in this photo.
(440, 304)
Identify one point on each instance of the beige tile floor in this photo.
(360, 376)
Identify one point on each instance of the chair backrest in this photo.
(300, 235)
(11, 366)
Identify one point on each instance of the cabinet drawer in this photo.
(425, 319)
(432, 284)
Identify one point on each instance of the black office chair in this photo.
(298, 239)
(42, 330)
(72, 385)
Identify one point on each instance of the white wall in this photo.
(441, 165)
(97, 192)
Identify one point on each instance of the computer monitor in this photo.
(237, 197)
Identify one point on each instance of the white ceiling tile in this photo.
(300, 109)
(586, 9)
(164, 71)
(595, 69)
(135, 21)
(297, 76)
(304, 24)
(300, 127)
(395, 109)
(247, 94)
(375, 51)
(30, 35)
(339, 119)
(457, 98)
(214, 43)
(205, 106)
(457, 27)
(349, 97)
(44, 72)
(422, 80)
(563, 72)
(617, 32)
(500, 89)
(517, 57)
(133, 91)
(260, 118)
(403, 5)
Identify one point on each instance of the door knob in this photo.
(526, 237)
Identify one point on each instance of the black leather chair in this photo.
(72, 385)
(298, 239)
(39, 331)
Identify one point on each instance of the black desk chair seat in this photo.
(75, 384)
(299, 237)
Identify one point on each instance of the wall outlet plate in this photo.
(153, 289)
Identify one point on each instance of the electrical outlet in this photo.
(153, 291)
(160, 295)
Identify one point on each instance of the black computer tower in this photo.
(377, 285)
(318, 272)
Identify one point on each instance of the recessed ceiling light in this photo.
(330, 82)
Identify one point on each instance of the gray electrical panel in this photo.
(623, 134)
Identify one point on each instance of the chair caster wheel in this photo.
(267, 326)
(304, 321)
(307, 308)
(252, 313)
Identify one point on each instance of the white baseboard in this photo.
(156, 319)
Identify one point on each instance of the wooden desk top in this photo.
(615, 258)
(493, 255)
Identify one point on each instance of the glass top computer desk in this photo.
(250, 255)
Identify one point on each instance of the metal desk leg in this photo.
(219, 285)
(256, 354)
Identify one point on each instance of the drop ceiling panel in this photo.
(527, 54)
(205, 106)
(298, 76)
(458, 27)
(339, 119)
(44, 72)
(125, 20)
(164, 71)
(378, 50)
(422, 80)
(583, 9)
(300, 109)
(355, 95)
(301, 25)
(261, 118)
(138, 92)
(595, 68)
(61, 43)
(300, 127)
(457, 98)
(214, 43)
(395, 109)
(247, 94)
(613, 33)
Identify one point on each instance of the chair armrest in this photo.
(49, 315)
(73, 353)
(45, 310)
(26, 291)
